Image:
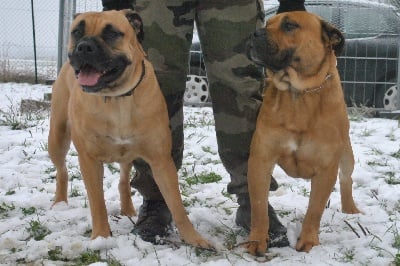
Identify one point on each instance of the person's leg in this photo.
(290, 5)
(235, 86)
(167, 39)
(117, 4)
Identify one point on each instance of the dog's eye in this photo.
(289, 26)
(78, 31)
(77, 34)
(110, 34)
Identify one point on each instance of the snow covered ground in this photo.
(32, 233)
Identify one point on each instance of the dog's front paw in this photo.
(197, 240)
(257, 244)
(350, 208)
(58, 200)
(128, 211)
(98, 233)
(305, 244)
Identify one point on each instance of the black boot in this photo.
(154, 220)
(277, 232)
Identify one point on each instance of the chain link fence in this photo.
(29, 24)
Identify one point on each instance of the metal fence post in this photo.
(66, 12)
(398, 80)
(34, 41)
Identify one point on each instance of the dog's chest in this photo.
(112, 147)
(121, 141)
(108, 137)
(304, 156)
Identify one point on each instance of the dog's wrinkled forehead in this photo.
(305, 25)
(109, 25)
(291, 21)
(100, 24)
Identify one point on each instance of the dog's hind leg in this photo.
(59, 139)
(124, 187)
(346, 166)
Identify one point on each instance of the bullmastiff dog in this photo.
(107, 100)
(303, 125)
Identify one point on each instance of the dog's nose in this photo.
(86, 47)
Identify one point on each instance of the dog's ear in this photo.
(136, 22)
(332, 36)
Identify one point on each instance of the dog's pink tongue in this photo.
(88, 78)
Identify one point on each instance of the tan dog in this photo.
(108, 101)
(303, 125)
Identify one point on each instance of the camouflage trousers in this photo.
(235, 83)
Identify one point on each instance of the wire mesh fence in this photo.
(20, 21)
(16, 38)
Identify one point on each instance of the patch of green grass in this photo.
(396, 244)
(5, 208)
(75, 192)
(226, 194)
(305, 192)
(282, 213)
(391, 179)
(191, 201)
(230, 239)
(207, 149)
(376, 151)
(396, 233)
(37, 230)
(199, 119)
(56, 254)
(93, 256)
(50, 170)
(28, 211)
(396, 154)
(391, 135)
(209, 161)
(88, 233)
(113, 168)
(367, 132)
(88, 257)
(396, 207)
(73, 153)
(348, 256)
(15, 250)
(76, 176)
(377, 163)
(204, 253)
(397, 259)
(10, 192)
(203, 178)
(229, 235)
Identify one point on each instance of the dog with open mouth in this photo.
(303, 125)
(107, 100)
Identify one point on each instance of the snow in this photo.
(27, 180)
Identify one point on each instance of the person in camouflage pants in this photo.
(235, 85)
